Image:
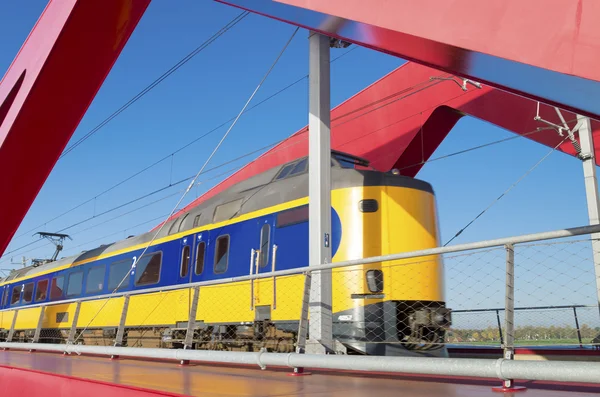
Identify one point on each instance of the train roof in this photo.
(282, 183)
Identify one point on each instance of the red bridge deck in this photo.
(23, 373)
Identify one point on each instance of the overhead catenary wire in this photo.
(270, 153)
(170, 155)
(160, 79)
(511, 187)
(273, 144)
(156, 191)
(478, 147)
(540, 129)
(155, 235)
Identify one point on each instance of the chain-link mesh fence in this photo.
(411, 306)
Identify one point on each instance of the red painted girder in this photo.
(544, 50)
(400, 120)
(47, 89)
(561, 35)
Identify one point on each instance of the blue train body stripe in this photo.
(292, 242)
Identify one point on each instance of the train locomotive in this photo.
(256, 226)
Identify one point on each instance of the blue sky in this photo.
(213, 87)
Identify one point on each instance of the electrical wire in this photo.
(181, 148)
(285, 147)
(147, 245)
(265, 147)
(160, 79)
(508, 190)
(394, 95)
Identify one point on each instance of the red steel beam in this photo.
(544, 50)
(47, 89)
(527, 47)
(400, 120)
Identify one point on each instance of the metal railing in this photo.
(571, 309)
(410, 271)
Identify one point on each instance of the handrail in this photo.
(524, 308)
(562, 371)
(571, 232)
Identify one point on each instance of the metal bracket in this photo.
(564, 128)
(462, 86)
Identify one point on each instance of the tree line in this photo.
(524, 333)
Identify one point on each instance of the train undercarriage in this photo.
(386, 328)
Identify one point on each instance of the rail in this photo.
(556, 307)
(505, 368)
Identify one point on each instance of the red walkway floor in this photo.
(206, 380)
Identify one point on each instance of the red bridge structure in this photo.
(524, 65)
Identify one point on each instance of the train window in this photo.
(285, 171)
(368, 205)
(263, 258)
(95, 279)
(221, 254)
(200, 257)
(345, 163)
(16, 295)
(181, 223)
(197, 220)
(172, 228)
(5, 296)
(57, 287)
(185, 261)
(293, 216)
(300, 167)
(75, 283)
(41, 291)
(227, 211)
(148, 269)
(119, 271)
(28, 293)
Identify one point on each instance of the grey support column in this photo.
(319, 142)
(591, 191)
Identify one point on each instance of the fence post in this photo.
(38, 329)
(499, 327)
(191, 325)
(577, 326)
(121, 329)
(273, 268)
(73, 331)
(509, 318)
(11, 332)
(303, 323)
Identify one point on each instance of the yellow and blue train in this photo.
(391, 308)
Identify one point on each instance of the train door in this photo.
(184, 275)
(264, 261)
(197, 269)
(186, 255)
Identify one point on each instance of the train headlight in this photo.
(375, 280)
